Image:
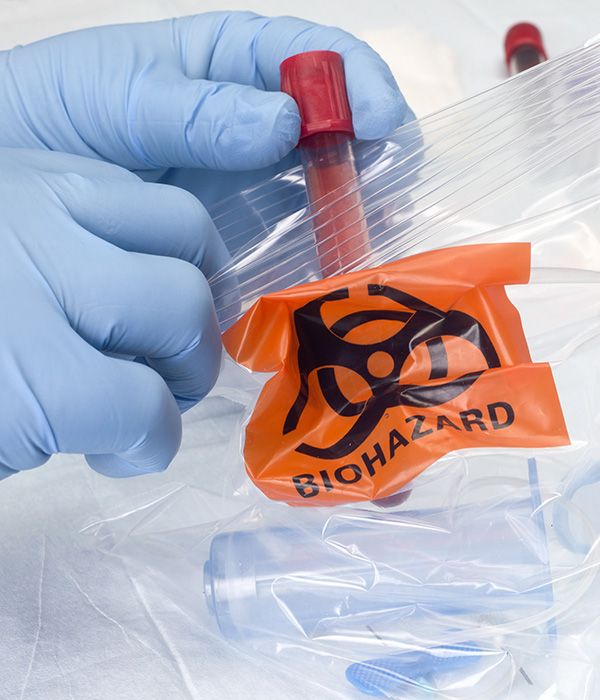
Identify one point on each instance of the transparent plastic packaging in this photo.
(483, 584)
(475, 576)
(518, 150)
(416, 599)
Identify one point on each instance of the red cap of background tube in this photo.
(520, 35)
(316, 81)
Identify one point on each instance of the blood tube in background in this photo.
(523, 47)
(315, 79)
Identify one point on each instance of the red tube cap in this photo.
(316, 81)
(520, 35)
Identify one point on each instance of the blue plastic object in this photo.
(390, 675)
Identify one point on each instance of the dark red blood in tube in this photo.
(339, 224)
(316, 81)
(523, 47)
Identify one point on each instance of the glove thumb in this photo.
(204, 124)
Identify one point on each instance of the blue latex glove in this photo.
(94, 263)
(187, 93)
(195, 92)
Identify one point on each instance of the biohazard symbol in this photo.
(368, 378)
(322, 348)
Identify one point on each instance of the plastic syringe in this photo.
(316, 81)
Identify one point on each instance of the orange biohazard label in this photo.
(379, 373)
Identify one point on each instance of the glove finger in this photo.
(145, 218)
(248, 49)
(120, 414)
(159, 308)
(378, 106)
(73, 399)
(203, 124)
(47, 162)
(5, 472)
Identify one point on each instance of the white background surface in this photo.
(73, 625)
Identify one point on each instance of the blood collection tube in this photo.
(315, 79)
(523, 47)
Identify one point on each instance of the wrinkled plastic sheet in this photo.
(75, 622)
(474, 578)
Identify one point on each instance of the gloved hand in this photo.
(96, 263)
(195, 92)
